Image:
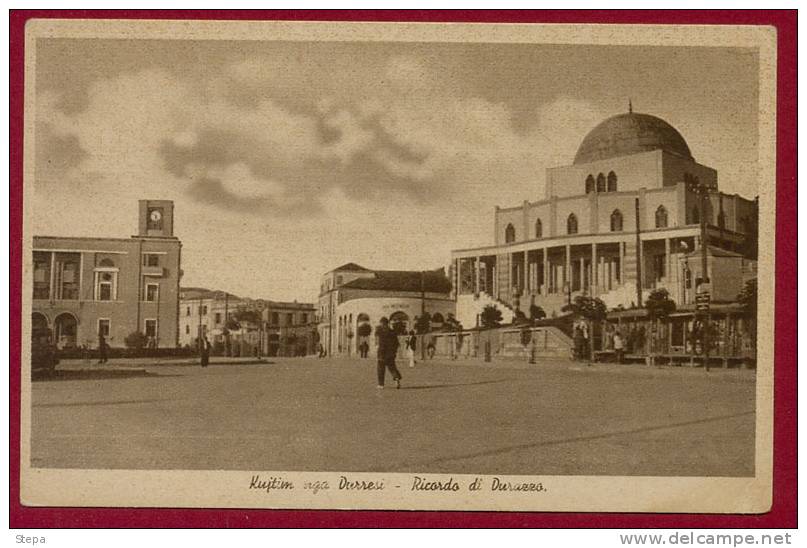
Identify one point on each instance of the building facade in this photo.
(621, 221)
(352, 296)
(256, 325)
(113, 286)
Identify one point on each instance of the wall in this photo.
(129, 310)
(633, 172)
(375, 308)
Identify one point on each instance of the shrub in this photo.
(136, 340)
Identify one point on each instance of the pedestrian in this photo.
(204, 350)
(102, 348)
(321, 349)
(364, 349)
(619, 348)
(387, 351)
(579, 341)
(411, 346)
(430, 349)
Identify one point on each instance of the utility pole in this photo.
(638, 257)
(703, 193)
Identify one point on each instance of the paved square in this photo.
(310, 414)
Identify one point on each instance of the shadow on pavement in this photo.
(453, 385)
(94, 375)
(97, 403)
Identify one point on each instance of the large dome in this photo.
(629, 134)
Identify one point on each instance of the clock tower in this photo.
(156, 219)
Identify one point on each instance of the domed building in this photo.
(622, 220)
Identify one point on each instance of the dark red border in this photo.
(781, 515)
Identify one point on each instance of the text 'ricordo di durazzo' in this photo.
(415, 483)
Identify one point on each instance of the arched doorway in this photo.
(65, 330)
(399, 322)
(40, 330)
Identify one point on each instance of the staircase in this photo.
(470, 306)
(548, 341)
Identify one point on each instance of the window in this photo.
(67, 276)
(539, 229)
(590, 184)
(153, 293)
(659, 262)
(187, 330)
(218, 318)
(696, 215)
(151, 328)
(41, 275)
(203, 310)
(612, 182)
(661, 217)
(571, 224)
(303, 318)
(510, 233)
(188, 311)
(289, 319)
(616, 221)
(151, 259)
(105, 286)
(103, 327)
(600, 183)
(275, 318)
(339, 279)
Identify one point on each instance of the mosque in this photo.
(622, 220)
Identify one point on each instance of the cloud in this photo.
(402, 139)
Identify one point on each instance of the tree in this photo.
(136, 340)
(364, 330)
(491, 316)
(423, 323)
(519, 317)
(247, 316)
(536, 313)
(748, 301)
(747, 298)
(659, 306)
(590, 309)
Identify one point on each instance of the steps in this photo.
(470, 306)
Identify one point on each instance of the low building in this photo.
(244, 326)
(112, 286)
(352, 296)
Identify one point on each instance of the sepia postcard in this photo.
(401, 266)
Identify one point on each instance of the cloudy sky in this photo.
(287, 159)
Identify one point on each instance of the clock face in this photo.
(155, 215)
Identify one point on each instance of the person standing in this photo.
(204, 352)
(411, 346)
(387, 351)
(102, 348)
(619, 347)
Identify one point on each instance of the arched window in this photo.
(612, 182)
(600, 183)
(661, 217)
(616, 221)
(510, 233)
(590, 184)
(696, 215)
(571, 224)
(539, 229)
(437, 318)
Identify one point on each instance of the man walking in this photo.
(102, 357)
(387, 350)
(204, 351)
(619, 347)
